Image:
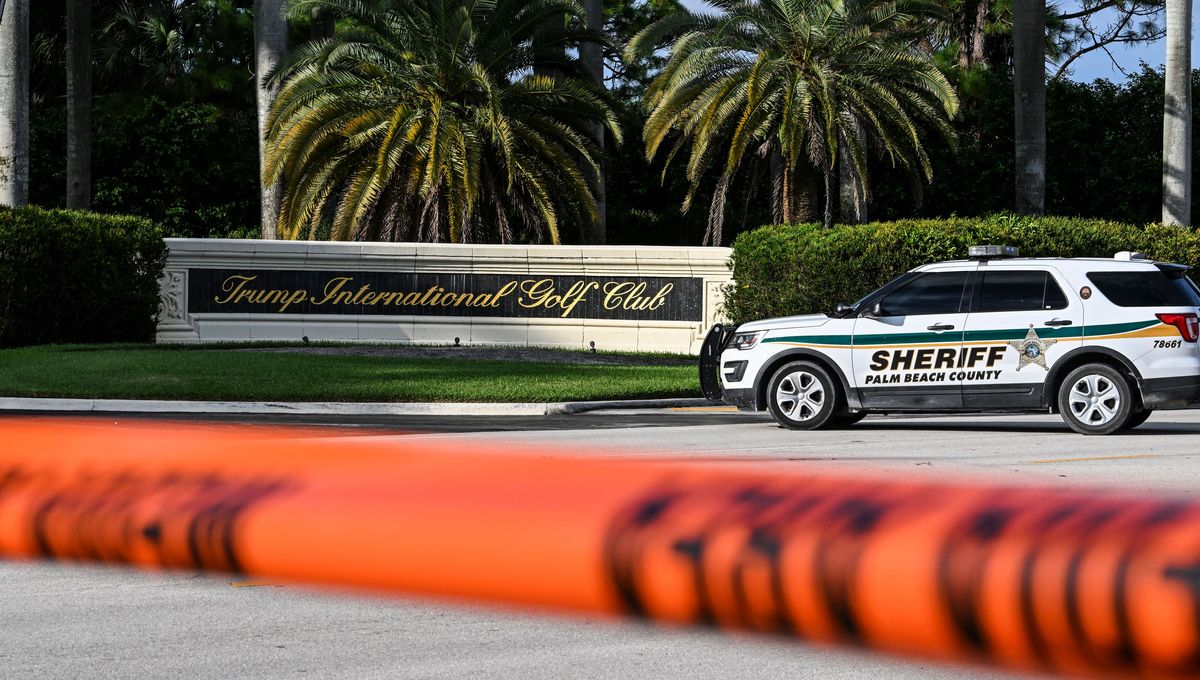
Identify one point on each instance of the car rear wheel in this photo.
(802, 396)
(1095, 399)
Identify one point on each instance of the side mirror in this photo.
(842, 309)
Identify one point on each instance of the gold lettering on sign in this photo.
(541, 293)
(333, 291)
(236, 291)
(631, 296)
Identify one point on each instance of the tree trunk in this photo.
(1029, 99)
(794, 191)
(853, 193)
(828, 198)
(323, 23)
(79, 104)
(972, 18)
(775, 176)
(547, 58)
(14, 103)
(1177, 116)
(806, 195)
(592, 56)
(270, 49)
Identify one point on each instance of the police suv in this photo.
(1102, 342)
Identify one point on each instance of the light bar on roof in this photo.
(991, 252)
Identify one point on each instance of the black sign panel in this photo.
(281, 291)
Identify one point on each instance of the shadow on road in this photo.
(984, 424)
(428, 424)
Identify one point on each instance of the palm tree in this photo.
(151, 41)
(181, 50)
(79, 104)
(270, 49)
(1029, 104)
(1177, 116)
(14, 103)
(794, 81)
(591, 54)
(424, 120)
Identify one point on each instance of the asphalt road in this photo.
(66, 622)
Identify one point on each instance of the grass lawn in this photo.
(148, 372)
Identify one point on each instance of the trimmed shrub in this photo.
(793, 269)
(69, 276)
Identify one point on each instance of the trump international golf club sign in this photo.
(412, 294)
(620, 298)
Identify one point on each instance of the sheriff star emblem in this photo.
(1031, 350)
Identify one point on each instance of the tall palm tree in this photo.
(1029, 104)
(1177, 116)
(14, 103)
(270, 49)
(591, 54)
(79, 104)
(424, 120)
(794, 81)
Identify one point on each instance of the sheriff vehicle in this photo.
(1103, 342)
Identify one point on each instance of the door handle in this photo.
(941, 327)
(1058, 322)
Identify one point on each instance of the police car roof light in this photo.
(991, 252)
(1129, 255)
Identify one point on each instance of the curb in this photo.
(313, 408)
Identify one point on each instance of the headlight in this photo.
(745, 340)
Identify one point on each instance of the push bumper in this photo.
(1168, 393)
(710, 361)
(745, 399)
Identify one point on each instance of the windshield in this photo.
(887, 286)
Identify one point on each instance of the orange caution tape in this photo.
(1038, 579)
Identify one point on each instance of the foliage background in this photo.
(191, 165)
(175, 140)
(1103, 153)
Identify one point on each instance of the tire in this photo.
(847, 419)
(1137, 418)
(1095, 399)
(803, 396)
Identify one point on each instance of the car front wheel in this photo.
(1136, 419)
(847, 419)
(802, 396)
(1095, 399)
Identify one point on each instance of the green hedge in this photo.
(792, 269)
(68, 276)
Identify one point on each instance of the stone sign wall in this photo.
(618, 297)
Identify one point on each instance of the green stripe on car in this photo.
(1064, 332)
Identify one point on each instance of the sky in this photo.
(1095, 64)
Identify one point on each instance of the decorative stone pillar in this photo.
(174, 324)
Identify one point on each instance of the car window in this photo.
(1146, 289)
(934, 293)
(1019, 291)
